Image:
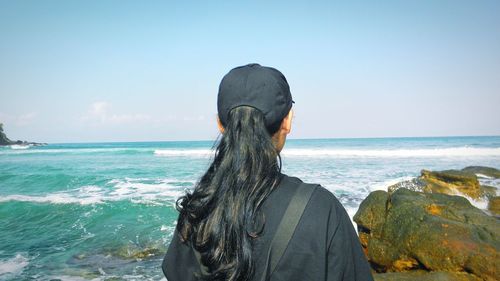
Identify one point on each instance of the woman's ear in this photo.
(219, 125)
(286, 124)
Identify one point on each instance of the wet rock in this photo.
(494, 205)
(4, 140)
(409, 231)
(414, 184)
(488, 191)
(451, 182)
(421, 275)
(95, 261)
(129, 253)
(486, 171)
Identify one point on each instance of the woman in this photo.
(239, 221)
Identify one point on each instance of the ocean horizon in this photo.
(104, 210)
(288, 139)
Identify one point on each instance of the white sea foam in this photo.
(151, 191)
(140, 191)
(73, 278)
(54, 198)
(385, 184)
(401, 153)
(478, 203)
(184, 152)
(481, 203)
(20, 146)
(290, 152)
(44, 150)
(348, 153)
(491, 182)
(484, 176)
(13, 266)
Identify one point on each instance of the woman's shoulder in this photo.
(321, 195)
(322, 201)
(322, 208)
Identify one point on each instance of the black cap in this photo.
(261, 87)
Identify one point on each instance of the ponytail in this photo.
(221, 216)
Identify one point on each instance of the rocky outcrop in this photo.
(452, 182)
(4, 140)
(438, 234)
(494, 205)
(486, 171)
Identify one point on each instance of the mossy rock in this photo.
(422, 275)
(135, 253)
(451, 182)
(371, 212)
(494, 205)
(487, 171)
(128, 252)
(488, 191)
(414, 184)
(428, 231)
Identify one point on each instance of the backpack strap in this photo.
(284, 232)
(287, 227)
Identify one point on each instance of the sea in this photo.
(105, 211)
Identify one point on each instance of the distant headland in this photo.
(4, 140)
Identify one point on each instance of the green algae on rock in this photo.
(421, 275)
(408, 230)
(494, 205)
(451, 182)
(486, 171)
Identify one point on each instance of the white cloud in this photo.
(194, 118)
(101, 112)
(99, 109)
(19, 120)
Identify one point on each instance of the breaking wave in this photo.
(140, 191)
(401, 153)
(187, 152)
(343, 153)
(13, 266)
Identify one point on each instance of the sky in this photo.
(99, 71)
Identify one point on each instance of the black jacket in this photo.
(324, 245)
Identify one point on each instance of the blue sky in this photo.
(79, 71)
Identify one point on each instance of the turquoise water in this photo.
(104, 211)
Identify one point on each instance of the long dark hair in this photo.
(221, 216)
